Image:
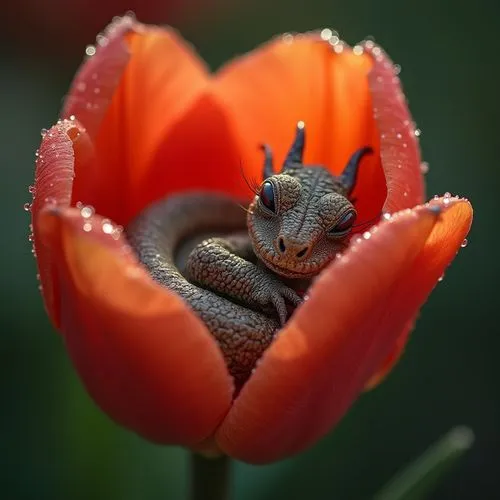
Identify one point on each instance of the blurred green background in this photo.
(56, 444)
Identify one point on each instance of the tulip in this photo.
(143, 119)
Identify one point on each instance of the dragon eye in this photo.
(267, 196)
(344, 225)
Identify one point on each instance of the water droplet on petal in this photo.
(447, 195)
(43, 132)
(464, 243)
(107, 227)
(27, 207)
(397, 69)
(326, 34)
(87, 211)
(387, 216)
(441, 278)
(87, 227)
(424, 167)
(90, 50)
(334, 40)
(367, 235)
(417, 132)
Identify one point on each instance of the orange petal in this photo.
(161, 79)
(144, 357)
(268, 91)
(65, 148)
(95, 83)
(321, 361)
(201, 152)
(393, 357)
(399, 146)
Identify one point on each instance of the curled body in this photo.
(157, 236)
(242, 274)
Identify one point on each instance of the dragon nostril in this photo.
(281, 244)
(302, 252)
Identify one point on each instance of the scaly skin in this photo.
(234, 280)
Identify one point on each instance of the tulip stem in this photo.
(211, 477)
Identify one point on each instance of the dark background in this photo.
(55, 444)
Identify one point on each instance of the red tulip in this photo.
(144, 119)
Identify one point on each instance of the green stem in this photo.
(210, 477)
(418, 479)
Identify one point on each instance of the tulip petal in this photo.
(127, 96)
(144, 357)
(65, 147)
(162, 78)
(268, 91)
(201, 152)
(95, 83)
(399, 146)
(321, 362)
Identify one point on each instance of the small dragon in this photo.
(238, 270)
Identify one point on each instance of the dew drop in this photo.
(87, 227)
(334, 40)
(31, 238)
(397, 69)
(424, 167)
(101, 40)
(326, 34)
(399, 136)
(441, 278)
(287, 38)
(367, 235)
(87, 211)
(81, 86)
(31, 189)
(27, 207)
(387, 216)
(117, 231)
(107, 227)
(447, 195)
(464, 243)
(90, 50)
(417, 132)
(38, 276)
(72, 118)
(357, 50)
(43, 132)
